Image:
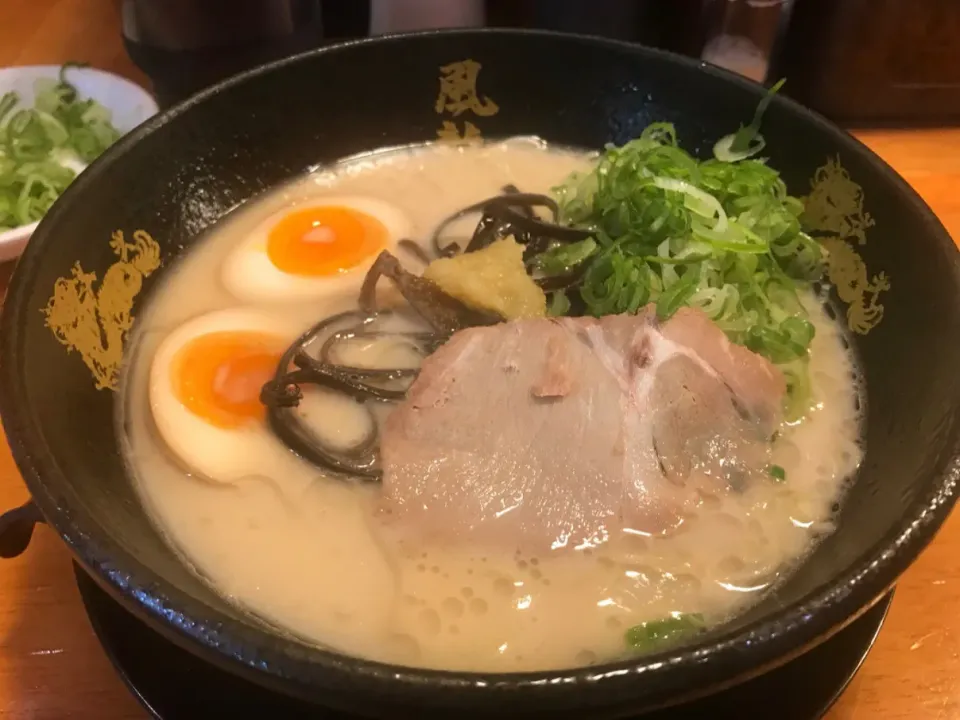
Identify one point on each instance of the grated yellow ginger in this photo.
(493, 278)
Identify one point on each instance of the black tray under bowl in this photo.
(172, 684)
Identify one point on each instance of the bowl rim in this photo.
(255, 650)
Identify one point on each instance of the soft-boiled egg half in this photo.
(316, 248)
(205, 383)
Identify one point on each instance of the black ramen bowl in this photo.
(93, 263)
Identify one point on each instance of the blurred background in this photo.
(857, 61)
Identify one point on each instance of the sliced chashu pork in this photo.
(549, 433)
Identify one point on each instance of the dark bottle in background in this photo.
(186, 45)
(677, 25)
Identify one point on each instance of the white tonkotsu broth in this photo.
(307, 552)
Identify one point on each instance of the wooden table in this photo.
(51, 665)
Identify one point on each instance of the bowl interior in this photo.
(897, 285)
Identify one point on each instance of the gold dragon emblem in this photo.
(834, 211)
(93, 321)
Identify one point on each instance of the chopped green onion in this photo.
(563, 258)
(7, 103)
(39, 145)
(747, 141)
(797, 376)
(655, 634)
(68, 93)
(777, 473)
(699, 202)
(678, 259)
(559, 304)
(677, 295)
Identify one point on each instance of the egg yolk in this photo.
(218, 376)
(325, 240)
